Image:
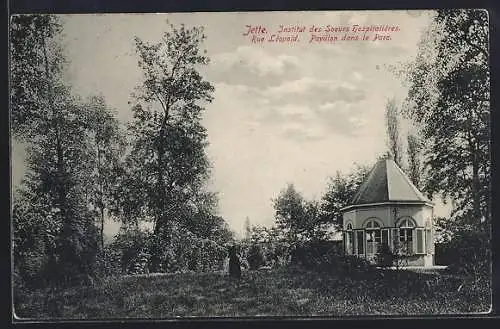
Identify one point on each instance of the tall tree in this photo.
(414, 151)
(108, 143)
(450, 98)
(392, 122)
(36, 65)
(248, 229)
(340, 191)
(290, 212)
(168, 158)
(49, 120)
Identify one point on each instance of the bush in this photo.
(322, 255)
(356, 264)
(180, 250)
(255, 257)
(109, 261)
(127, 253)
(469, 253)
(385, 257)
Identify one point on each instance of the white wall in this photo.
(385, 213)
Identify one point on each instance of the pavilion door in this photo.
(360, 242)
(385, 237)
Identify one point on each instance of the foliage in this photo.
(323, 256)
(34, 237)
(392, 122)
(385, 256)
(56, 191)
(298, 218)
(255, 257)
(289, 209)
(248, 229)
(414, 151)
(470, 253)
(340, 191)
(271, 244)
(130, 246)
(36, 63)
(167, 168)
(108, 145)
(179, 250)
(449, 99)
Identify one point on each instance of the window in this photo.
(420, 243)
(360, 248)
(406, 227)
(373, 240)
(385, 237)
(349, 240)
(373, 236)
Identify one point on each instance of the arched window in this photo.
(406, 225)
(349, 240)
(373, 235)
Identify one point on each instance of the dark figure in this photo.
(234, 263)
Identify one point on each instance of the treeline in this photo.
(300, 222)
(448, 142)
(84, 166)
(445, 148)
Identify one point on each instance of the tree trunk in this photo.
(161, 215)
(61, 191)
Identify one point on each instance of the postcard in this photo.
(250, 164)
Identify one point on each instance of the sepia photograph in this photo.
(293, 164)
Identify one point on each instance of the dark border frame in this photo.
(138, 6)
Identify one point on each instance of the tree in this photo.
(108, 143)
(36, 60)
(290, 213)
(340, 191)
(51, 122)
(393, 131)
(168, 164)
(314, 227)
(248, 229)
(449, 98)
(414, 151)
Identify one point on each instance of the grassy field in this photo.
(281, 292)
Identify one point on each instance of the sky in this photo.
(293, 112)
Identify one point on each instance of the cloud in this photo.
(314, 92)
(357, 76)
(342, 117)
(302, 135)
(252, 66)
(307, 124)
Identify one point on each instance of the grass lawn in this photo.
(281, 292)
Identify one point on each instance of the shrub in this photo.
(356, 264)
(469, 253)
(180, 250)
(109, 261)
(385, 257)
(255, 257)
(128, 251)
(320, 255)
